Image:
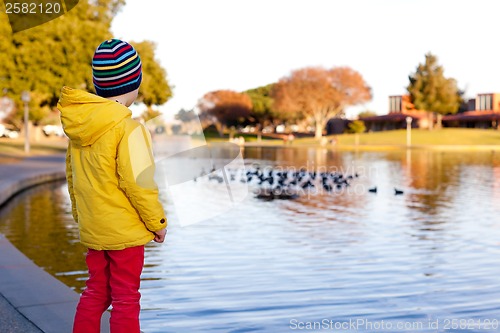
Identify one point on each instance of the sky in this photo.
(207, 45)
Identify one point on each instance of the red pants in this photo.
(114, 280)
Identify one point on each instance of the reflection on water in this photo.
(430, 254)
(39, 223)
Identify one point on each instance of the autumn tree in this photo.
(320, 94)
(227, 107)
(431, 91)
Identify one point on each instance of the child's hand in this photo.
(160, 235)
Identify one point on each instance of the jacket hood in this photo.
(86, 117)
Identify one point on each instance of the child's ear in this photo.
(135, 93)
(132, 96)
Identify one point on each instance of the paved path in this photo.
(31, 300)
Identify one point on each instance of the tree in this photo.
(190, 121)
(227, 107)
(45, 58)
(262, 105)
(57, 53)
(356, 126)
(150, 114)
(186, 115)
(320, 94)
(431, 91)
(367, 113)
(154, 87)
(7, 64)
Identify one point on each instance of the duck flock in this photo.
(286, 184)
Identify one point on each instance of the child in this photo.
(110, 170)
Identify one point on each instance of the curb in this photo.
(40, 298)
(13, 187)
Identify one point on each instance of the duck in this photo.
(215, 177)
(275, 193)
(265, 195)
(327, 187)
(286, 196)
(284, 193)
(373, 190)
(398, 192)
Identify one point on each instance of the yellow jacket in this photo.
(110, 172)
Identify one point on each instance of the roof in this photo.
(395, 117)
(485, 115)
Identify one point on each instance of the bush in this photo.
(356, 126)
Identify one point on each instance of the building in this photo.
(400, 108)
(481, 112)
(337, 126)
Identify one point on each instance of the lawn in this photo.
(376, 140)
(213, 135)
(443, 137)
(446, 136)
(15, 147)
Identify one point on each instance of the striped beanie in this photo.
(116, 68)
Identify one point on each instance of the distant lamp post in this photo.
(408, 131)
(25, 97)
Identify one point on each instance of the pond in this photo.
(348, 259)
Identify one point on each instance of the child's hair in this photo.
(116, 68)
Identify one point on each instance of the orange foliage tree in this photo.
(319, 94)
(226, 107)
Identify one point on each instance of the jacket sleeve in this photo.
(136, 169)
(69, 179)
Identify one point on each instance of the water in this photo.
(424, 261)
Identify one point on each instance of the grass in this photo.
(211, 135)
(15, 148)
(451, 137)
(446, 136)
